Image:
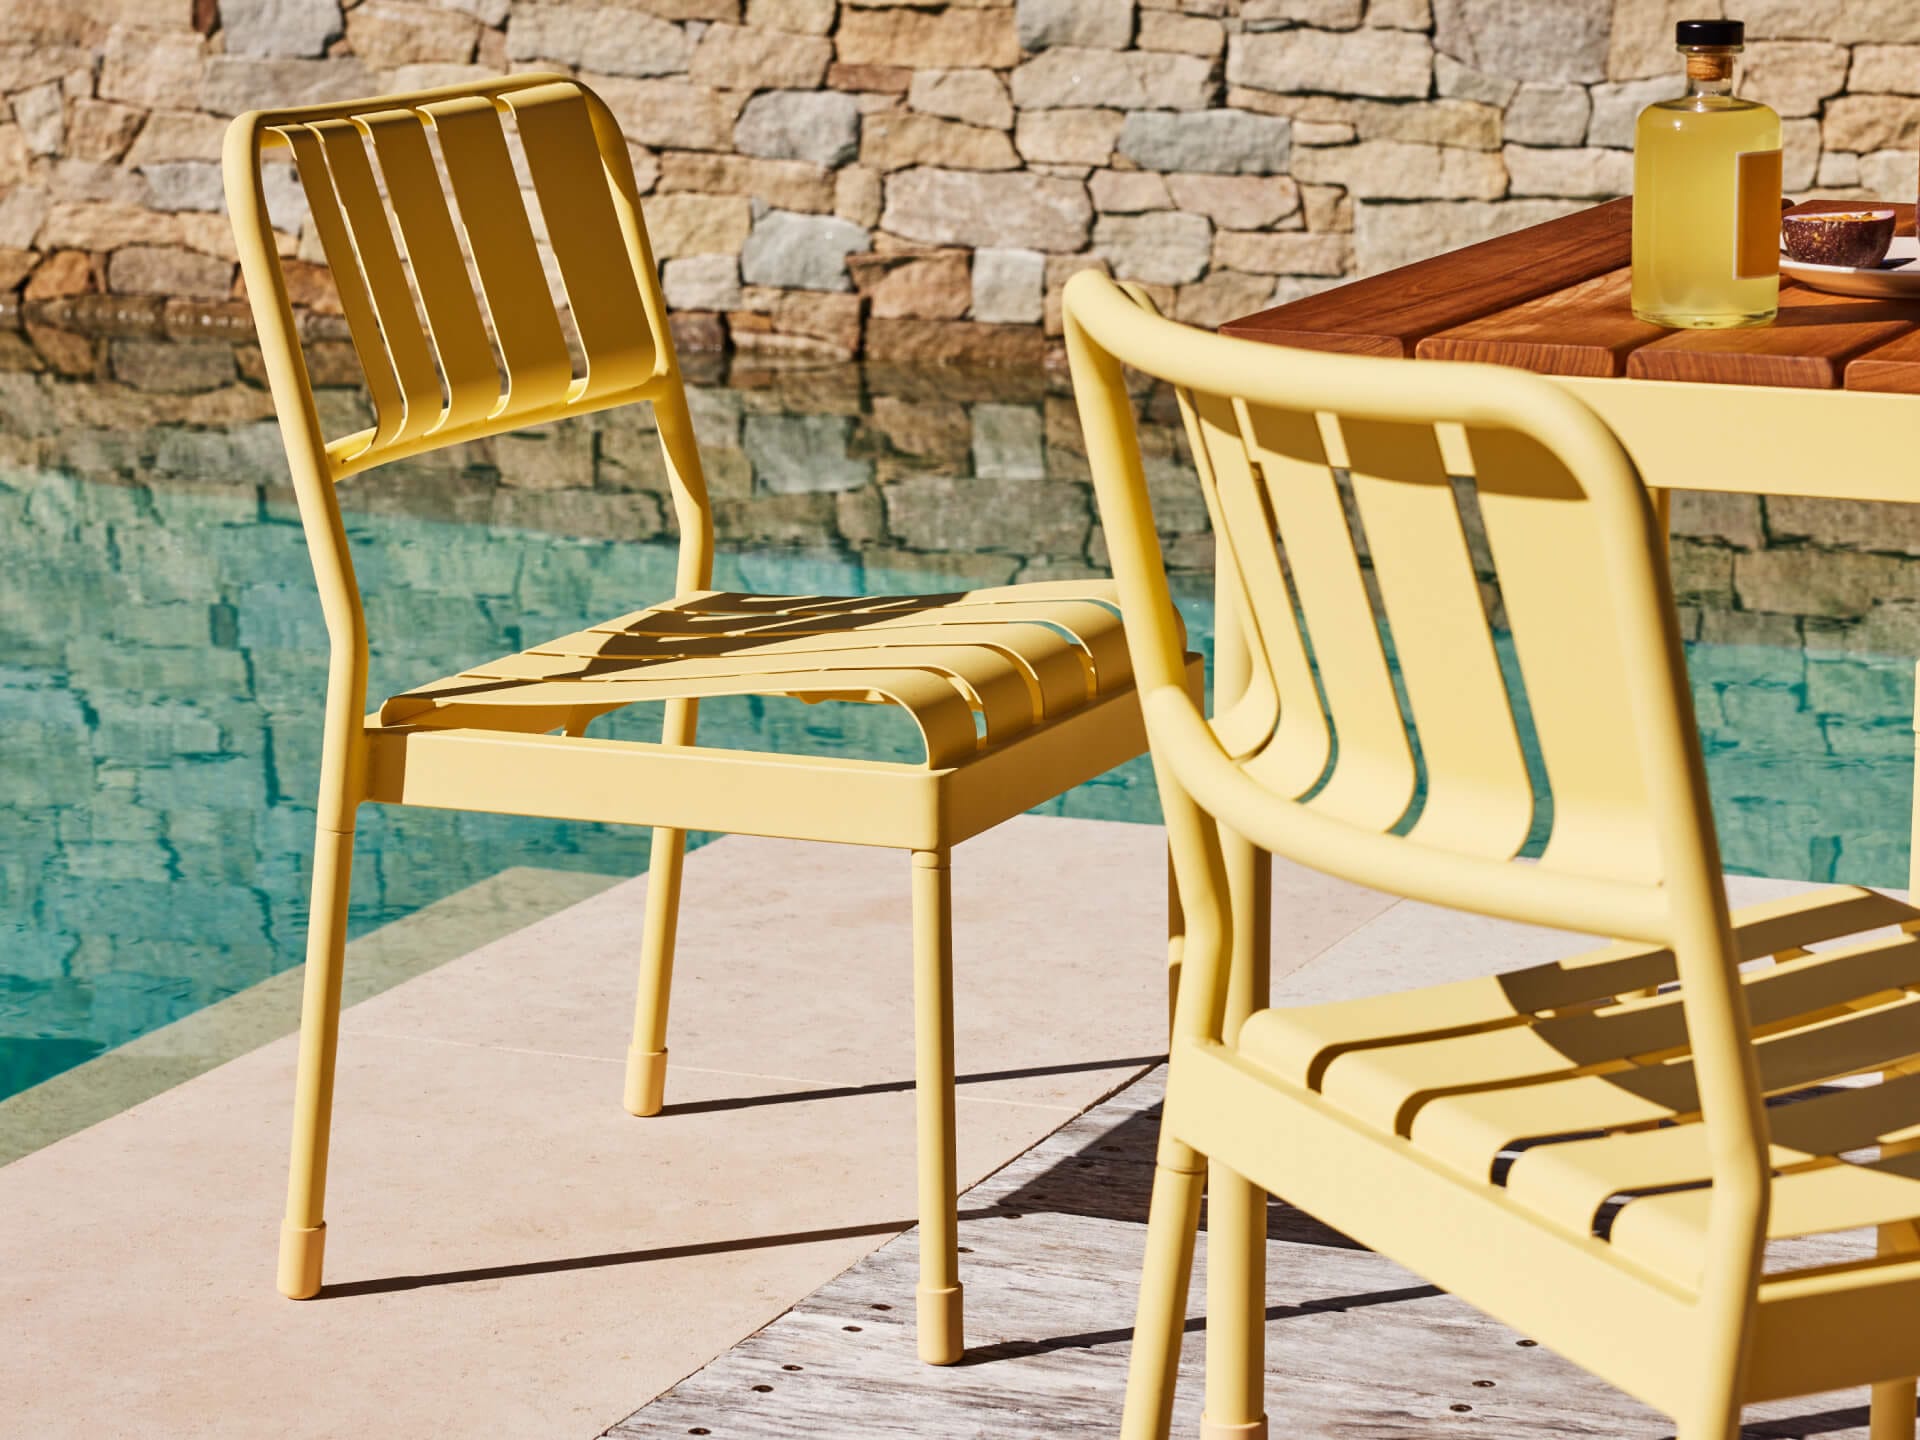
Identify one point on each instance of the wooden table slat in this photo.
(1808, 345)
(1587, 329)
(1390, 314)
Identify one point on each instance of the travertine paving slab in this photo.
(510, 1253)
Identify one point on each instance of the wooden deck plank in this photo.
(1586, 329)
(1356, 1345)
(1390, 314)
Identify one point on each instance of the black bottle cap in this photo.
(1710, 32)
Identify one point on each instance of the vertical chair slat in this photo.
(1296, 755)
(1478, 795)
(1553, 574)
(386, 277)
(1372, 783)
(539, 370)
(585, 233)
(369, 345)
(439, 265)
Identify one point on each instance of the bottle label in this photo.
(1756, 215)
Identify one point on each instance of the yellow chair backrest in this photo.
(437, 258)
(1321, 757)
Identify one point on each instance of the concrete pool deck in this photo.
(511, 1254)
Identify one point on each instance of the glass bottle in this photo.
(1706, 195)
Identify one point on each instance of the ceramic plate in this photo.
(1897, 277)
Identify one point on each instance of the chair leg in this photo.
(647, 1056)
(646, 1084)
(1153, 1368)
(1894, 1400)
(1176, 940)
(939, 1299)
(303, 1233)
(1236, 1208)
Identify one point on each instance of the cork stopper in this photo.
(1706, 66)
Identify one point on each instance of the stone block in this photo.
(856, 196)
(231, 84)
(933, 287)
(605, 39)
(97, 227)
(1388, 236)
(959, 515)
(950, 39)
(782, 184)
(1453, 80)
(177, 135)
(872, 79)
(280, 27)
(33, 62)
(1326, 207)
(1838, 170)
(803, 454)
(492, 13)
(100, 130)
(1164, 247)
(1793, 76)
(63, 273)
(1800, 152)
(820, 127)
(671, 113)
(978, 209)
(955, 342)
(932, 429)
(1595, 173)
(1566, 40)
(702, 282)
(1009, 286)
(1400, 14)
(172, 367)
(184, 185)
(1222, 296)
(1888, 174)
(1885, 69)
(41, 114)
(1128, 192)
(1617, 107)
(1067, 137)
(1066, 78)
(1641, 43)
(977, 97)
(804, 252)
(1236, 202)
(386, 34)
(156, 69)
(1226, 142)
(15, 266)
(893, 140)
(157, 270)
(1181, 34)
(1321, 14)
(1844, 22)
(736, 57)
(1008, 442)
(1396, 170)
(1094, 24)
(1283, 252)
(684, 223)
(1548, 115)
(1861, 123)
(798, 17)
(1385, 63)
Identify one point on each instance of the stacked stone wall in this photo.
(908, 179)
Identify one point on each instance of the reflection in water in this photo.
(162, 657)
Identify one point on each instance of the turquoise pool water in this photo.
(162, 655)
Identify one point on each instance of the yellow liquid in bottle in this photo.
(1686, 202)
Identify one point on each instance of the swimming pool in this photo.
(162, 654)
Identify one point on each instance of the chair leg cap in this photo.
(300, 1257)
(646, 1081)
(1251, 1430)
(942, 1332)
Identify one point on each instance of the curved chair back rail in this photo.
(1582, 1148)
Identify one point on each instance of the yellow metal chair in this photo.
(1586, 1150)
(1019, 692)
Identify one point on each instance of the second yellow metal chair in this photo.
(1592, 1150)
(1019, 693)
